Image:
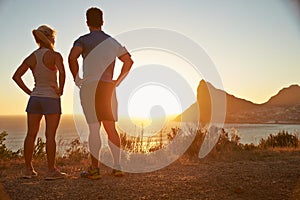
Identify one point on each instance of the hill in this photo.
(286, 97)
(284, 107)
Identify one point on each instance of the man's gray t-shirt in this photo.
(99, 53)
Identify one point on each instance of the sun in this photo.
(152, 101)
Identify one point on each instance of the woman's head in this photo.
(44, 36)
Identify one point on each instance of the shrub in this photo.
(194, 148)
(226, 142)
(281, 139)
(4, 151)
(138, 144)
(249, 147)
(39, 149)
(77, 150)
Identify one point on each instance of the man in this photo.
(97, 87)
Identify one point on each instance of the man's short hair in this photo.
(94, 17)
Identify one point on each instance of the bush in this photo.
(281, 139)
(39, 149)
(138, 144)
(226, 142)
(194, 148)
(249, 147)
(4, 152)
(77, 150)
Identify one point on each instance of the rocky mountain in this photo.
(284, 107)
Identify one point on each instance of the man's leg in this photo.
(114, 140)
(94, 143)
(87, 98)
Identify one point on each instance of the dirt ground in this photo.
(247, 175)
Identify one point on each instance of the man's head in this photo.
(94, 17)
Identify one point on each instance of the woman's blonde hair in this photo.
(41, 35)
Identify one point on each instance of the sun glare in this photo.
(152, 102)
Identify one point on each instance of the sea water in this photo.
(74, 127)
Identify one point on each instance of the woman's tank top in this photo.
(45, 79)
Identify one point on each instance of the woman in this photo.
(44, 98)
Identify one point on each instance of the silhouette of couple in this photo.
(97, 92)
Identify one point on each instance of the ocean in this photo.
(71, 128)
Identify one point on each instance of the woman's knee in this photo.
(30, 137)
(50, 136)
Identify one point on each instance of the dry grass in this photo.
(257, 174)
(229, 171)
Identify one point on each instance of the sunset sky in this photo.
(254, 44)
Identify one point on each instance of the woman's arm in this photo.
(17, 77)
(61, 70)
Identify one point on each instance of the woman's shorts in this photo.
(99, 102)
(43, 105)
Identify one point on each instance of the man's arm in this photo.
(127, 63)
(73, 60)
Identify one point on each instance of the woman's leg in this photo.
(33, 125)
(52, 121)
